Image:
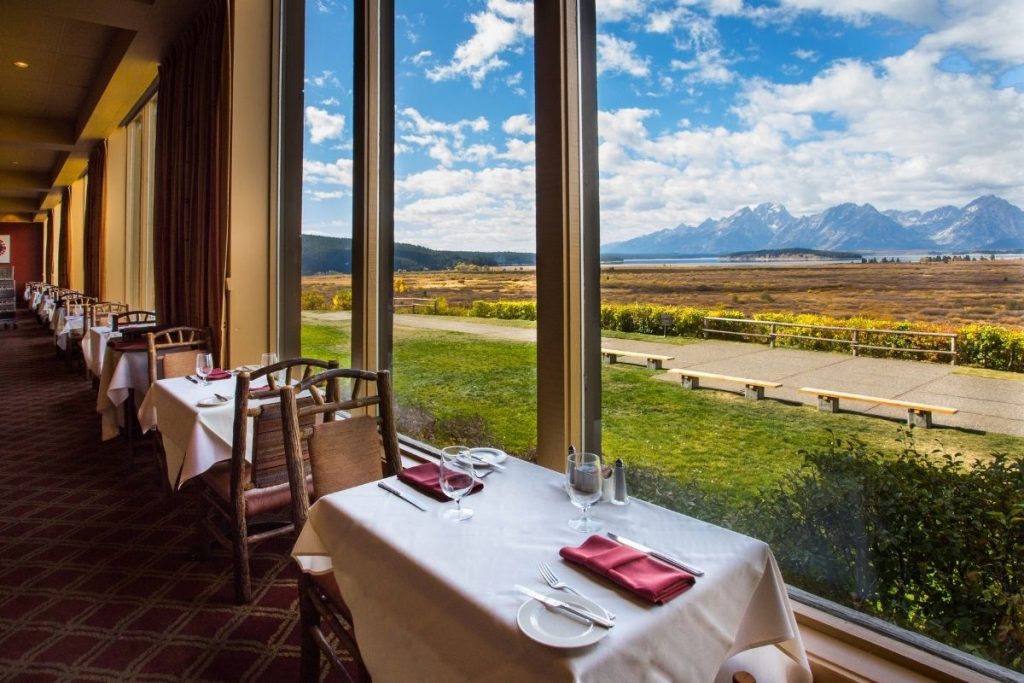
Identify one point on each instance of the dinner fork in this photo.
(552, 580)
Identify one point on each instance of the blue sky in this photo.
(705, 106)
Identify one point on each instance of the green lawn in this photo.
(454, 387)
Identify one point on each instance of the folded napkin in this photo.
(426, 478)
(217, 373)
(635, 571)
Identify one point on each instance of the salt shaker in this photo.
(619, 495)
(607, 484)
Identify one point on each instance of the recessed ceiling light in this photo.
(20, 64)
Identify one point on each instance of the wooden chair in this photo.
(342, 453)
(100, 313)
(248, 499)
(171, 353)
(76, 305)
(126, 320)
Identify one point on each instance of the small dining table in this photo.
(125, 373)
(434, 600)
(94, 348)
(195, 426)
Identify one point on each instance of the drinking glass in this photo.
(204, 364)
(457, 479)
(584, 483)
(269, 358)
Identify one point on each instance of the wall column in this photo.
(568, 230)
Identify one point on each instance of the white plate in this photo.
(486, 456)
(554, 629)
(210, 401)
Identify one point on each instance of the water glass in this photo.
(584, 484)
(457, 478)
(204, 364)
(269, 358)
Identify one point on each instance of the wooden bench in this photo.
(918, 414)
(653, 360)
(754, 388)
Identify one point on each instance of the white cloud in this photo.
(697, 35)
(330, 102)
(420, 57)
(324, 6)
(519, 150)
(617, 10)
(519, 124)
(921, 12)
(321, 195)
(338, 172)
(443, 142)
(989, 29)
(325, 78)
(805, 55)
(323, 125)
(615, 55)
(502, 26)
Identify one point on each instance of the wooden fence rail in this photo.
(772, 333)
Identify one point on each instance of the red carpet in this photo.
(96, 582)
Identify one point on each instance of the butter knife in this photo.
(189, 378)
(395, 492)
(656, 554)
(567, 607)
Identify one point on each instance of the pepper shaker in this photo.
(620, 497)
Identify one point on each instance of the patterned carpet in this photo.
(96, 583)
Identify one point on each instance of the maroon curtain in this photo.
(190, 213)
(64, 246)
(95, 221)
(48, 265)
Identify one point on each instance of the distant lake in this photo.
(903, 256)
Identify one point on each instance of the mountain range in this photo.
(988, 223)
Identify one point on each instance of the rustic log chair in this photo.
(172, 353)
(100, 313)
(77, 305)
(342, 453)
(246, 500)
(125, 320)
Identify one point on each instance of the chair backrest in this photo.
(101, 312)
(78, 305)
(172, 352)
(135, 318)
(268, 466)
(342, 452)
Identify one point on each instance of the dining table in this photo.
(94, 348)
(435, 600)
(125, 373)
(65, 327)
(196, 423)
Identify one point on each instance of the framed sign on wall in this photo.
(5, 248)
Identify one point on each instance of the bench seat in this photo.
(918, 414)
(653, 360)
(753, 388)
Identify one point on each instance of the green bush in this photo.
(342, 300)
(923, 540)
(988, 346)
(313, 300)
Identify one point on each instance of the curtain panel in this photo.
(64, 243)
(95, 221)
(192, 174)
(48, 263)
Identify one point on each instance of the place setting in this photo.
(458, 472)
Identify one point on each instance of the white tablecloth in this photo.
(94, 348)
(433, 600)
(195, 438)
(122, 373)
(68, 324)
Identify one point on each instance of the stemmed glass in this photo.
(204, 364)
(583, 483)
(269, 358)
(457, 479)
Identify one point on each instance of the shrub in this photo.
(313, 300)
(924, 540)
(342, 300)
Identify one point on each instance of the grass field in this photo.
(454, 387)
(944, 293)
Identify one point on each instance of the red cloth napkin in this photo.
(635, 571)
(130, 346)
(217, 373)
(426, 478)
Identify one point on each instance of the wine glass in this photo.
(204, 364)
(457, 478)
(584, 482)
(269, 358)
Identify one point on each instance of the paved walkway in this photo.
(987, 404)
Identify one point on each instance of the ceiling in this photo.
(88, 63)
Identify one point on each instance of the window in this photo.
(139, 208)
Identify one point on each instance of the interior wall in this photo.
(26, 254)
(58, 229)
(251, 227)
(115, 287)
(77, 220)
